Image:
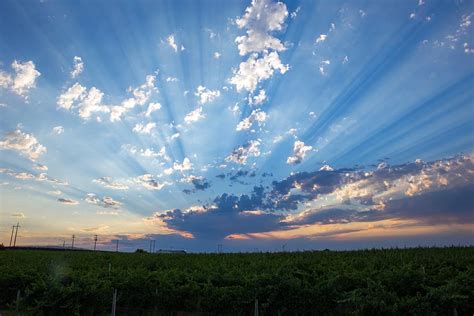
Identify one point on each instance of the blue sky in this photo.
(251, 124)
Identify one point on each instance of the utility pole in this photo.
(219, 248)
(16, 232)
(64, 244)
(95, 242)
(114, 302)
(11, 237)
(154, 243)
(73, 238)
(151, 243)
(116, 247)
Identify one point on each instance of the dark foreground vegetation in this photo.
(422, 281)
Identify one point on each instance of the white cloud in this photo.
(41, 167)
(217, 55)
(28, 176)
(144, 129)
(322, 64)
(26, 144)
(194, 116)
(173, 137)
(58, 130)
(412, 15)
(23, 80)
(321, 38)
(147, 152)
(260, 19)
(152, 107)
(149, 183)
(141, 95)
(74, 93)
(86, 102)
(106, 201)
(257, 115)
(172, 43)
(258, 99)
(254, 70)
(295, 13)
(206, 95)
(277, 138)
(92, 103)
(108, 182)
(299, 152)
(186, 165)
(241, 154)
(172, 79)
(78, 67)
(345, 60)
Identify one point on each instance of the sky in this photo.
(237, 125)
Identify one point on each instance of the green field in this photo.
(421, 281)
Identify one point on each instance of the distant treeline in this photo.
(419, 281)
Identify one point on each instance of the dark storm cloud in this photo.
(199, 185)
(452, 206)
(436, 192)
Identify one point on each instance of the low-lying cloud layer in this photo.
(413, 194)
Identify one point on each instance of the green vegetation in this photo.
(422, 281)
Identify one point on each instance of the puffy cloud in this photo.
(58, 130)
(194, 116)
(23, 80)
(144, 128)
(258, 99)
(152, 107)
(26, 144)
(241, 154)
(261, 18)
(108, 182)
(199, 184)
(141, 95)
(41, 167)
(255, 69)
(206, 95)
(185, 166)
(68, 201)
(86, 102)
(106, 201)
(71, 95)
(172, 43)
(217, 55)
(28, 176)
(321, 38)
(78, 67)
(149, 182)
(92, 103)
(147, 152)
(257, 115)
(299, 152)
